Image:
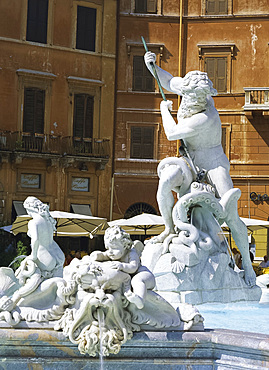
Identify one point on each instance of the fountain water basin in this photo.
(242, 316)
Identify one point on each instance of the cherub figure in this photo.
(124, 256)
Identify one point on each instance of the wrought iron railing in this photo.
(256, 98)
(53, 144)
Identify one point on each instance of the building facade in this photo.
(229, 40)
(57, 74)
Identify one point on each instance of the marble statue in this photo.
(98, 301)
(126, 259)
(38, 282)
(199, 129)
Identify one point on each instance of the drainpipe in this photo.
(179, 56)
(115, 113)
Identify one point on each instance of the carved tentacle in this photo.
(202, 195)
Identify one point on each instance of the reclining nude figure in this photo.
(199, 126)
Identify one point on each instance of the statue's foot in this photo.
(135, 299)
(6, 304)
(249, 275)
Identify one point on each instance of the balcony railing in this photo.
(256, 98)
(52, 144)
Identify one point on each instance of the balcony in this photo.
(26, 144)
(256, 99)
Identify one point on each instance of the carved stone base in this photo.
(180, 280)
(222, 349)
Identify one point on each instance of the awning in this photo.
(18, 206)
(82, 209)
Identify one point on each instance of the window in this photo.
(34, 108)
(216, 60)
(83, 115)
(146, 6)
(216, 69)
(216, 7)
(35, 97)
(142, 78)
(37, 18)
(139, 208)
(142, 142)
(86, 28)
(84, 111)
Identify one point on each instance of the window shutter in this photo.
(216, 7)
(151, 6)
(138, 73)
(142, 142)
(34, 108)
(141, 6)
(83, 115)
(211, 7)
(148, 140)
(29, 110)
(136, 141)
(37, 18)
(89, 117)
(142, 78)
(221, 78)
(216, 69)
(39, 111)
(86, 28)
(78, 115)
(210, 69)
(223, 7)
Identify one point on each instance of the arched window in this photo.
(138, 208)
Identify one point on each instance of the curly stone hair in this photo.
(35, 205)
(115, 233)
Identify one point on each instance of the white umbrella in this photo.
(251, 223)
(67, 224)
(146, 222)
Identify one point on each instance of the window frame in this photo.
(50, 22)
(218, 51)
(98, 30)
(137, 49)
(39, 80)
(229, 9)
(142, 143)
(84, 116)
(91, 87)
(143, 75)
(158, 8)
(216, 59)
(35, 110)
(156, 127)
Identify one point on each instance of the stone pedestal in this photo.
(37, 349)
